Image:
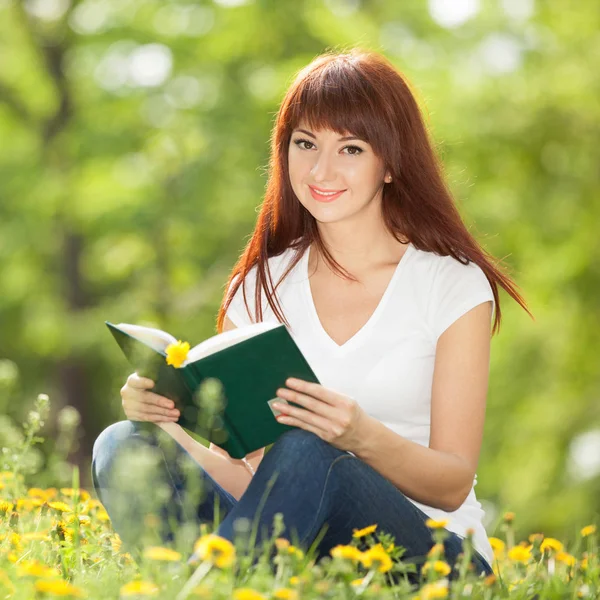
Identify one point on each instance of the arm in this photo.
(231, 474)
(441, 475)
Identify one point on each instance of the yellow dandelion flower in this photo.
(94, 503)
(490, 580)
(5, 506)
(296, 552)
(359, 533)
(438, 589)
(294, 580)
(347, 552)
(282, 543)
(37, 493)
(60, 506)
(551, 544)
(584, 563)
(436, 549)
(58, 587)
(536, 537)
(216, 549)
(115, 542)
(33, 568)
(498, 546)
(247, 594)
(433, 524)
(36, 536)
(509, 517)
(520, 554)
(378, 555)
(285, 594)
(102, 515)
(357, 581)
(439, 566)
(159, 553)
(139, 588)
(566, 558)
(588, 530)
(177, 353)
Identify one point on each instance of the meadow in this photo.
(58, 541)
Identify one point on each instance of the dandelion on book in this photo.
(177, 353)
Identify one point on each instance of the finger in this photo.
(304, 416)
(151, 409)
(157, 400)
(141, 416)
(140, 383)
(316, 390)
(317, 406)
(302, 425)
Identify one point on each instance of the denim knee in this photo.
(110, 443)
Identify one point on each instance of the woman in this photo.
(361, 251)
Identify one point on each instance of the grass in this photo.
(58, 541)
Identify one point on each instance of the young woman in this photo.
(360, 250)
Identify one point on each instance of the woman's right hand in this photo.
(140, 404)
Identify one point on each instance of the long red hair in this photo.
(359, 92)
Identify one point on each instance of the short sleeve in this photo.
(456, 290)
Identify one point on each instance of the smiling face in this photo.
(328, 161)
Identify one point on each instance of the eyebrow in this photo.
(342, 139)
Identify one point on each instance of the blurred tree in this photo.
(134, 134)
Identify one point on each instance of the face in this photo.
(329, 162)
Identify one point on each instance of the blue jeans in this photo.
(307, 479)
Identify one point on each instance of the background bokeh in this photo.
(134, 138)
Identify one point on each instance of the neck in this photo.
(360, 243)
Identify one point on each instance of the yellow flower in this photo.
(5, 506)
(60, 506)
(439, 566)
(566, 558)
(34, 568)
(551, 544)
(139, 588)
(282, 543)
(296, 552)
(348, 552)
(520, 553)
(247, 594)
(37, 493)
(497, 545)
(432, 524)
(177, 353)
(379, 555)
(159, 553)
(115, 542)
(438, 589)
(58, 587)
(294, 580)
(83, 494)
(436, 549)
(358, 533)
(509, 517)
(357, 581)
(588, 530)
(285, 594)
(215, 549)
(102, 515)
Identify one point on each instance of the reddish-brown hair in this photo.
(361, 93)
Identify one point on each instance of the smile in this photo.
(325, 196)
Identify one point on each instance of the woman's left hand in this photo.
(334, 417)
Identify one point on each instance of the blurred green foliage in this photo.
(133, 155)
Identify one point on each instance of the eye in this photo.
(356, 149)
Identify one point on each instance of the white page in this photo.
(156, 338)
(227, 339)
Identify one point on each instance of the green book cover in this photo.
(251, 363)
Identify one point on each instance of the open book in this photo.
(251, 362)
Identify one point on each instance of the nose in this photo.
(323, 168)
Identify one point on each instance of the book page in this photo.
(227, 339)
(155, 338)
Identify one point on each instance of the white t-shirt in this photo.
(387, 366)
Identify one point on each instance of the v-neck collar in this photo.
(364, 330)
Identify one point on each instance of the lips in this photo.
(324, 197)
